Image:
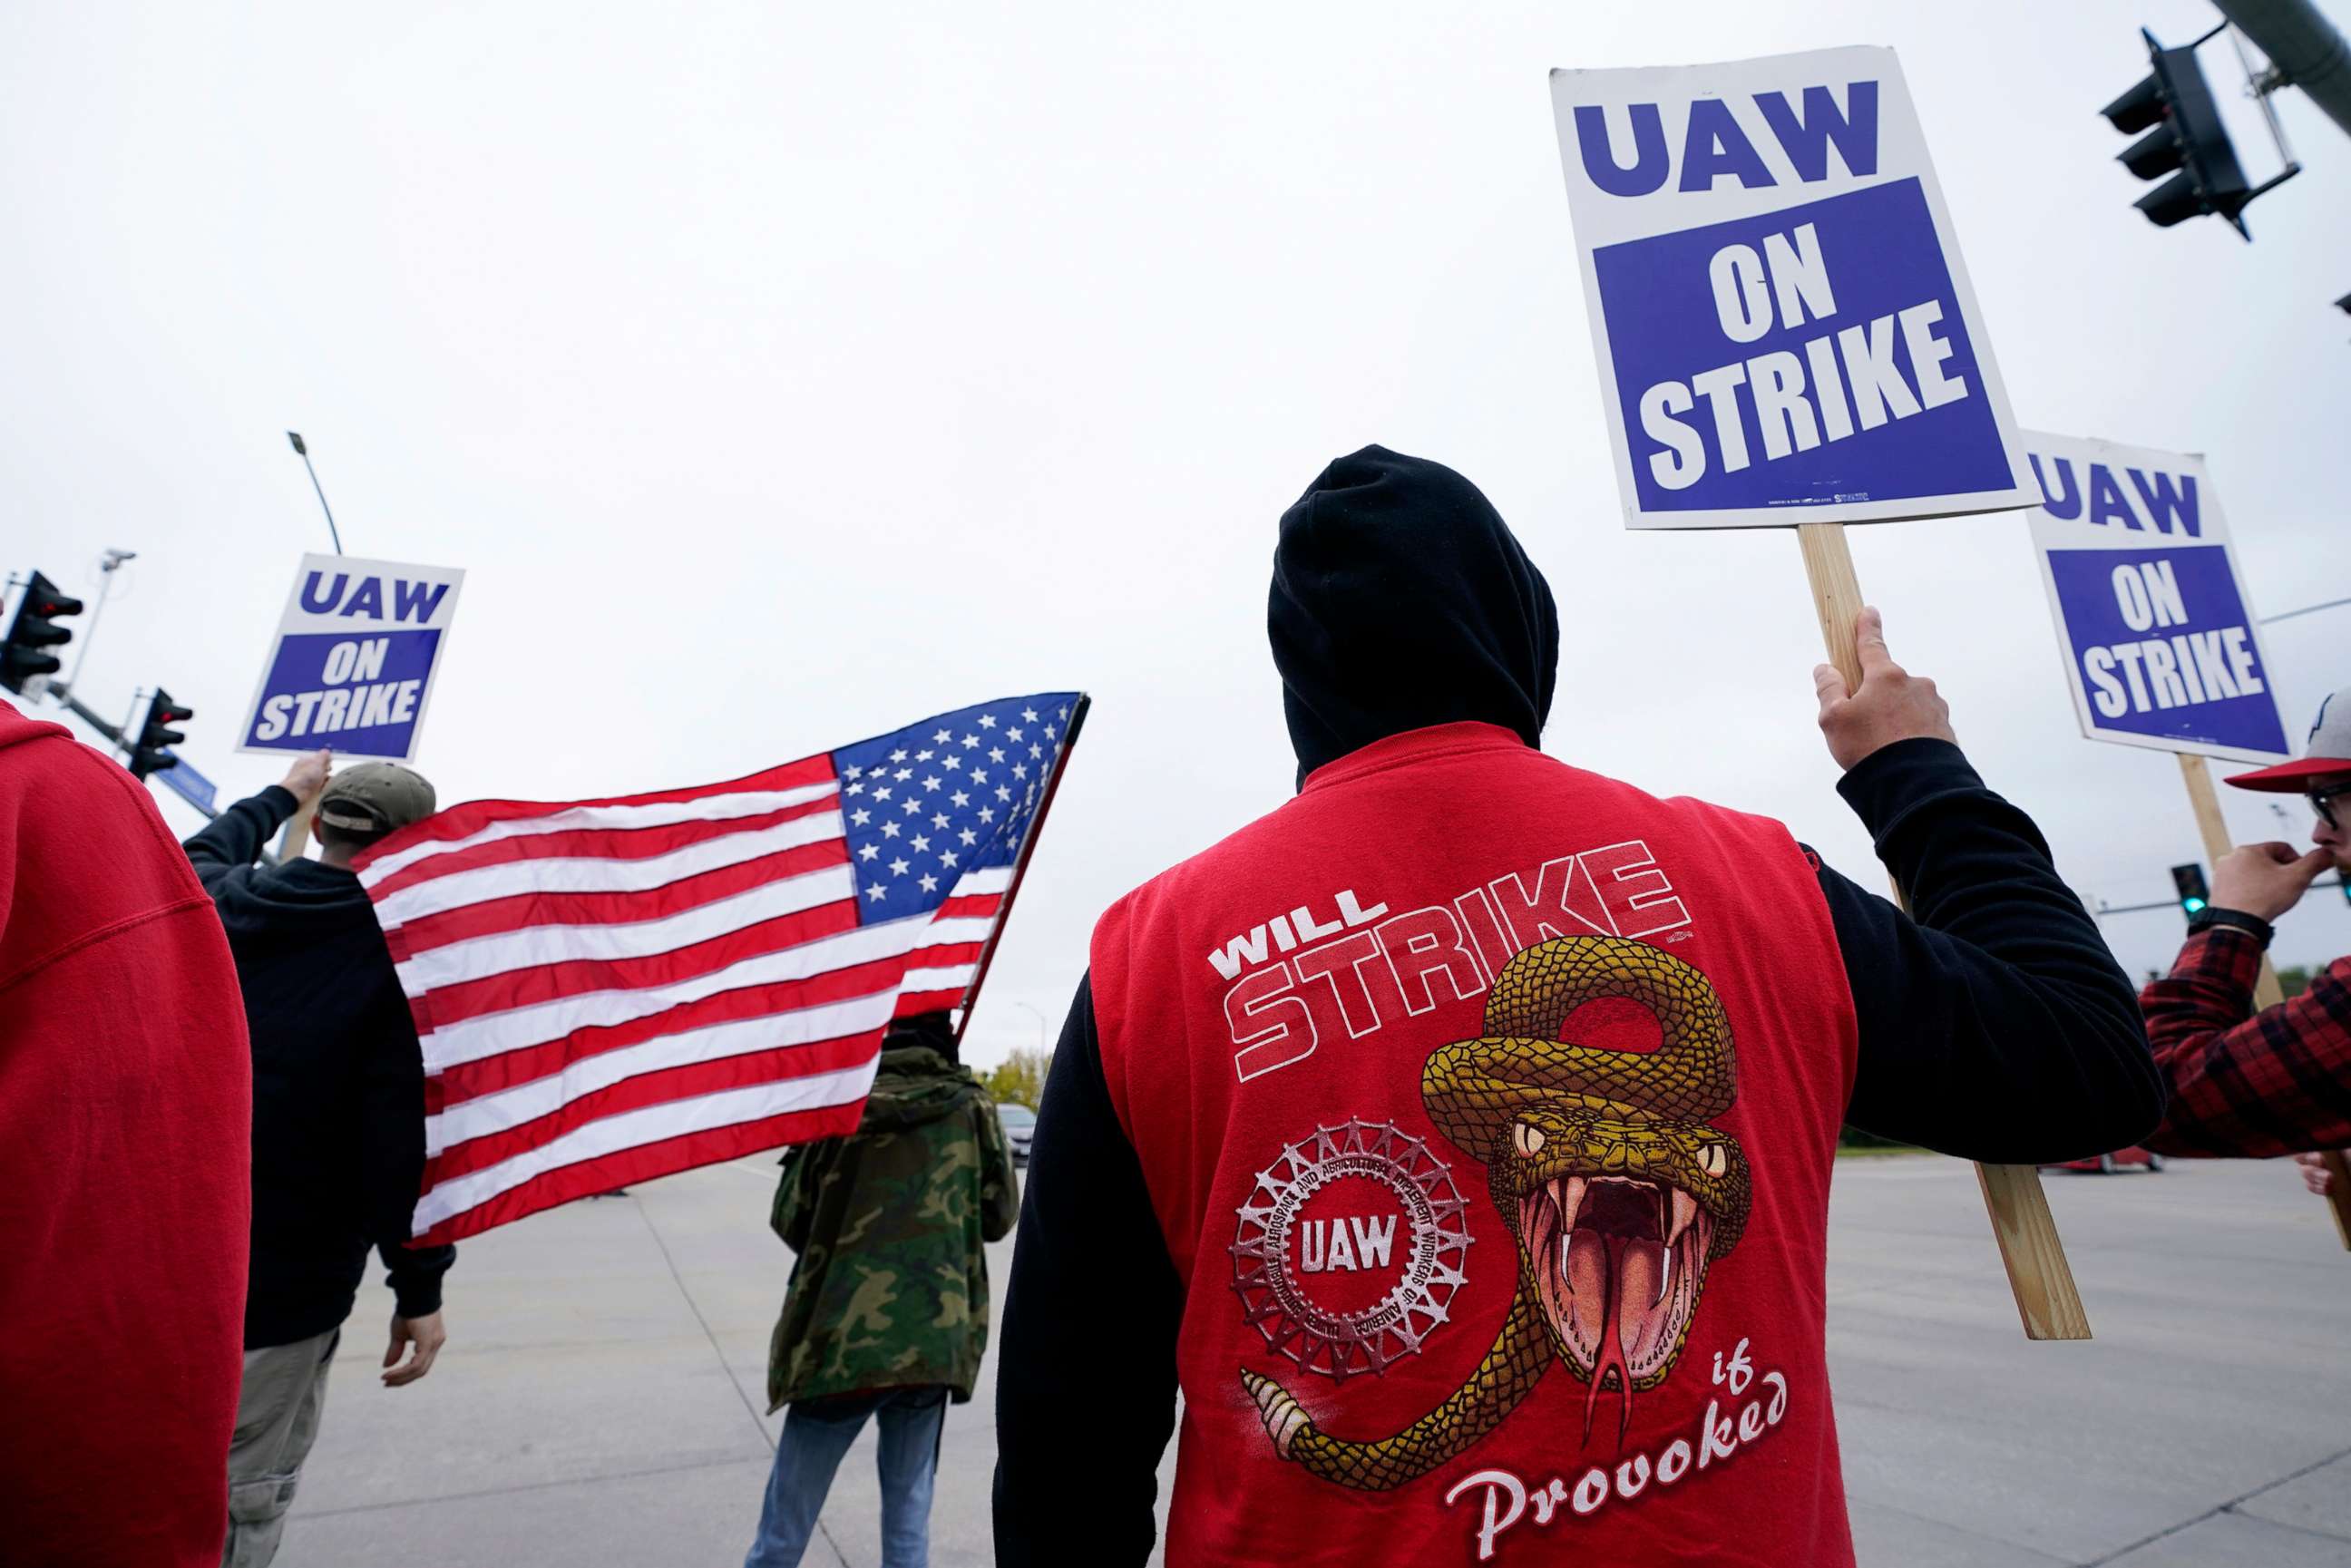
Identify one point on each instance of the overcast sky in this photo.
(783, 374)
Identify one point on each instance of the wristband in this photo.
(2252, 926)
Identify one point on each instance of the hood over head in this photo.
(919, 1080)
(1402, 600)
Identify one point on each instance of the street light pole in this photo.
(1043, 1048)
(106, 564)
(303, 452)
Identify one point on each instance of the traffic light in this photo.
(35, 632)
(2190, 879)
(151, 753)
(2184, 139)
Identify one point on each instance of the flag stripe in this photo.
(485, 1114)
(469, 1039)
(767, 897)
(948, 978)
(831, 982)
(524, 910)
(521, 989)
(623, 844)
(583, 818)
(465, 821)
(492, 1074)
(644, 1163)
(685, 1079)
(578, 874)
(652, 1125)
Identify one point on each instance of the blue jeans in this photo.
(816, 1434)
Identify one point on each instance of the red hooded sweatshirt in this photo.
(125, 1144)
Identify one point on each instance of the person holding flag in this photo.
(2275, 1081)
(607, 991)
(338, 1119)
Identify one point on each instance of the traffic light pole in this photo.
(112, 564)
(81, 710)
(112, 732)
(2039, 1277)
(2305, 49)
(2267, 993)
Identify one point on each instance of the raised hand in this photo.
(1890, 705)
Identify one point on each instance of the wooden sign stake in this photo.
(2267, 993)
(295, 841)
(2038, 1274)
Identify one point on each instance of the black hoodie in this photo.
(1401, 600)
(1994, 1025)
(337, 1082)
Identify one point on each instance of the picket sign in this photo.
(2162, 649)
(2267, 993)
(2162, 646)
(1786, 336)
(352, 667)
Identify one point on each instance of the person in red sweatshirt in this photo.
(125, 1126)
(1456, 1137)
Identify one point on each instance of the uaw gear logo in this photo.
(1349, 1249)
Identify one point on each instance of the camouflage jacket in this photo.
(890, 1285)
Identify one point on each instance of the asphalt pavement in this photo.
(600, 1401)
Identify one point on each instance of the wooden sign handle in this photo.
(295, 840)
(2197, 774)
(2338, 1192)
(2038, 1274)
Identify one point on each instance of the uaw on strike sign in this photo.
(2161, 649)
(1784, 327)
(356, 649)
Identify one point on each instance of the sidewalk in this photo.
(601, 1398)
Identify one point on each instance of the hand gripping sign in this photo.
(1786, 336)
(1785, 331)
(2161, 649)
(357, 650)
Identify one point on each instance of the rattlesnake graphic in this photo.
(1605, 1170)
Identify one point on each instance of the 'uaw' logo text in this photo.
(1349, 1249)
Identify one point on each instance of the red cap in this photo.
(2329, 751)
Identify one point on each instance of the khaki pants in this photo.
(277, 1410)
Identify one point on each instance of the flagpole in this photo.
(1021, 864)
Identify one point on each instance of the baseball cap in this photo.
(375, 797)
(2329, 751)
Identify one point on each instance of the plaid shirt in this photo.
(2248, 1084)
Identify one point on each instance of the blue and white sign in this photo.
(2161, 647)
(1785, 331)
(182, 779)
(356, 653)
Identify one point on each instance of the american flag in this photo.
(608, 991)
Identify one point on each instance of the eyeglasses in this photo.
(2322, 802)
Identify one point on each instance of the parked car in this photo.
(2121, 1158)
(1020, 1126)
